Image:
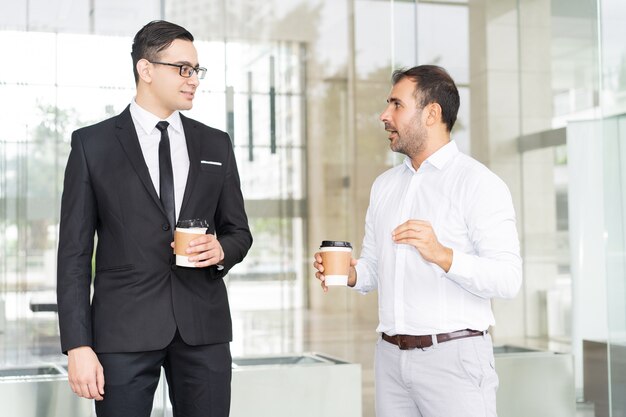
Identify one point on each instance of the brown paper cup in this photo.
(182, 237)
(336, 263)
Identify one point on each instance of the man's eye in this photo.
(187, 70)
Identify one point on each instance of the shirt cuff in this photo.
(462, 268)
(360, 285)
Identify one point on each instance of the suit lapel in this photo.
(192, 139)
(127, 135)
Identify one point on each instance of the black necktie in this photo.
(166, 176)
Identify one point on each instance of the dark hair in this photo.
(433, 84)
(153, 38)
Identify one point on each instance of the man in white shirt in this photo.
(440, 242)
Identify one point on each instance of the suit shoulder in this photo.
(206, 131)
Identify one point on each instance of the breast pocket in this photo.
(212, 167)
(212, 176)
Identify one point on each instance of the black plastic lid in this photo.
(335, 244)
(187, 224)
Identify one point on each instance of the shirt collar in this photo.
(440, 158)
(147, 121)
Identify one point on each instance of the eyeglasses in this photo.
(184, 70)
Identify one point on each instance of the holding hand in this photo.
(205, 250)
(317, 264)
(420, 235)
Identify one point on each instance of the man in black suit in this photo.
(128, 179)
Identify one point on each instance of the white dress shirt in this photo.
(472, 213)
(149, 138)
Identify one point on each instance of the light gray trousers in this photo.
(451, 379)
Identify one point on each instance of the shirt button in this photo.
(165, 227)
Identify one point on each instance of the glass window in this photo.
(373, 40)
(35, 145)
(446, 44)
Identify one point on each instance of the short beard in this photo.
(411, 141)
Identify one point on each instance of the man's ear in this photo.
(434, 114)
(144, 69)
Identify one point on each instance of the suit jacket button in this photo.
(174, 267)
(166, 227)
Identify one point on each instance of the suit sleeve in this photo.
(231, 221)
(76, 243)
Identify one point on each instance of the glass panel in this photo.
(265, 86)
(446, 45)
(19, 47)
(613, 101)
(117, 17)
(373, 36)
(541, 272)
(57, 16)
(573, 52)
(35, 148)
(208, 106)
(79, 64)
(615, 211)
(122, 17)
(32, 161)
(613, 33)
(14, 17)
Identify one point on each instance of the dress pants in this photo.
(198, 376)
(451, 379)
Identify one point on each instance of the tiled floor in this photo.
(260, 332)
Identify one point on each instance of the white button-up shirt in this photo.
(149, 138)
(471, 212)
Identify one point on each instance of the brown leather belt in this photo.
(406, 342)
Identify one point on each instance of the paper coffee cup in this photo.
(336, 257)
(186, 231)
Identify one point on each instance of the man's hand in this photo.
(317, 264)
(420, 234)
(85, 373)
(205, 250)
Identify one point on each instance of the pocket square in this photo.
(211, 163)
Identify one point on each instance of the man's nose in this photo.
(384, 116)
(194, 80)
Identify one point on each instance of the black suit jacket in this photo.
(140, 297)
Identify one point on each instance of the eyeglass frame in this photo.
(200, 71)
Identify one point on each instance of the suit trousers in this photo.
(451, 379)
(199, 380)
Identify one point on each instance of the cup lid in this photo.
(335, 244)
(191, 223)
